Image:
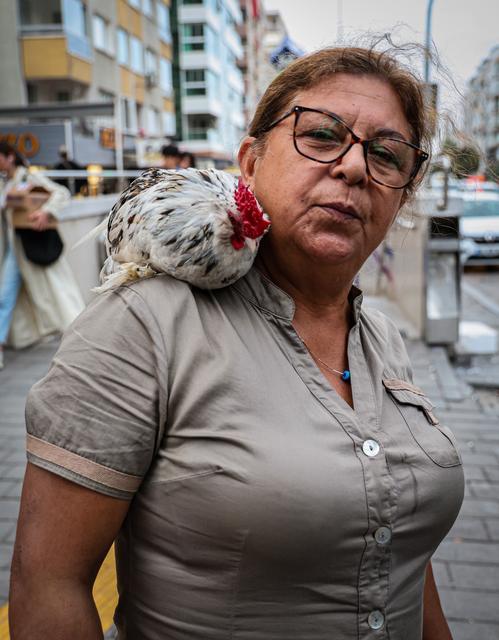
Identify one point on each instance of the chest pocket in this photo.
(436, 440)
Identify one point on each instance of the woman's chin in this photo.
(331, 251)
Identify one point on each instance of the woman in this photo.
(47, 298)
(288, 480)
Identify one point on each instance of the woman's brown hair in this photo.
(8, 149)
(310, 70)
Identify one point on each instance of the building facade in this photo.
(482, 107)
(81, 51)
(210, 119)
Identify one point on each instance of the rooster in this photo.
(201, 226)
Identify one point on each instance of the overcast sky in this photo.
(464, 31)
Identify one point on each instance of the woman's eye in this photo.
(326, 135)
(385, 156)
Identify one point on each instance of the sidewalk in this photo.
(466, 564)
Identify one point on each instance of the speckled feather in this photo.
(176, 222)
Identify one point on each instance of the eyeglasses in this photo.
(325, 138)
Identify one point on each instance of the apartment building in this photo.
(255, 64)
(210, 118)
(93, 51)
(482, 106)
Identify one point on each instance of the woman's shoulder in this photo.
(150, 293)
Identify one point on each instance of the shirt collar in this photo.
(263, 293)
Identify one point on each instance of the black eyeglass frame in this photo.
(422, 156)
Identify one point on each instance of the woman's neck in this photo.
(317, 293)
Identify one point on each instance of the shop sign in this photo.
(39, 143)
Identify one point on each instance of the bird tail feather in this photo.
(102, 226)
(124, 273)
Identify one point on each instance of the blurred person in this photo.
(66, 164)
(187, 160)
(170, 156)
(35, 300)
(259, 452)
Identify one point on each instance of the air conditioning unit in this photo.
(151, 80)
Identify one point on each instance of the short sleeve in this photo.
(97, 416)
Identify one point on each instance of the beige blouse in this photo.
(264, 507)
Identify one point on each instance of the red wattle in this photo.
(237, 242)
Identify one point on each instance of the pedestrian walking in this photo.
(66, 164)
(259, 452)
(38, 292)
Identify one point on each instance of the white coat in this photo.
(49, 299)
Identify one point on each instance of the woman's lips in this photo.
(341, 211)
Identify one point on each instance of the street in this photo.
(466, 565)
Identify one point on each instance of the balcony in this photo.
(54, 40)
(202, 105)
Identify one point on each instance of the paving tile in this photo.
(9, 509)
(480, 508)
(6, 529)
(468, 576)
(469, 529)
(473, 631)
(473, 473)
(489, 490)
(5, 555)
(492, 526)
(457, 551)
(492, 473)
(472, 458)
(469, 605)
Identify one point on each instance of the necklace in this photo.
(344, 375)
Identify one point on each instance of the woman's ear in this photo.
(247, 158)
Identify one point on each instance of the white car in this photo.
(479, 227)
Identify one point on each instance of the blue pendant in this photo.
(345, 375)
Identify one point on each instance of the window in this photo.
(136, 55)
(74, 15)
(63, 96)
(147, 7)
(165, 76)
(106, 96)
(102, 34)
(194, 82)
(164, 21)
(123, 47)
(169, 123)
(129, 111)
(198, 126)
(151, 117)
(134, 3)
(150, 62)
(193, 37)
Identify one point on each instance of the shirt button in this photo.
(383, 535)
(376, 619)
(370, 448)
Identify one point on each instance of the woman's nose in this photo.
(352, 166)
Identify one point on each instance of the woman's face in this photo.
(6, 162)
(334, 213)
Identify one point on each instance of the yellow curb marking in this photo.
(104, 593)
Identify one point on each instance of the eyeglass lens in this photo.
(324, 138)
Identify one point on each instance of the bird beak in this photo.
(252, 244)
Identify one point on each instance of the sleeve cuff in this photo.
(81, 470)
